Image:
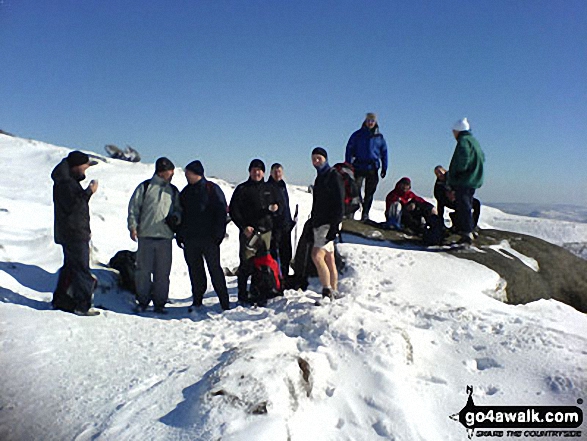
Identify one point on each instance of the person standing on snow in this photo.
(327, 214)
(366, 150)
(153, 212)
(465, 175)
(76, 283)
(202, 230)
(253, 207)
(281, 237)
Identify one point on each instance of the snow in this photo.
(390, 360)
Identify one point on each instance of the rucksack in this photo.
(434, 231)
(302, 263)
(125, 263)
(265, 282)
(352, 192)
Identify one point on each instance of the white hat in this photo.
(461, 125)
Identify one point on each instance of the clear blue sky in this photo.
(227, 81)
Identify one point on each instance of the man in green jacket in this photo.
(465, 175)
(154, 211)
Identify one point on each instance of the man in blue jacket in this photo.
(367, 152)
(202, 231)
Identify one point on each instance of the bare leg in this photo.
(331, 264)
(319, 259)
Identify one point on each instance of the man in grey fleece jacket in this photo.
(153, 209)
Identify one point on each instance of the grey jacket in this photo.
(147, 211)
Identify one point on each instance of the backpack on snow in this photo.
(125, 263)
(302, 263)
(265, 282)
(352, 192)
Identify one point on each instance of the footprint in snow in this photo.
(482, 364)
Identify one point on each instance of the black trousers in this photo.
(371, 179)
(195, 253)
(281, 249)
(75, 284)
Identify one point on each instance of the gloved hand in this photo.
(332, 232)
(383, 174)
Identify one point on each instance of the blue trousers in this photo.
(463, 209)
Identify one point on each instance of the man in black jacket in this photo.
(202, 230)
(76, 283)
(253, 207)
(281, 236)
(327, 214)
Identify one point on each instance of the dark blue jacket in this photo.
(204, 213)
(367, 150)
(284, 222)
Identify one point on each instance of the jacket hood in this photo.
(62, 172)
(404, 180)
(374, 131)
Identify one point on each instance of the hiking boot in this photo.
(89, 313)
(140, 308)
(194, 306)
(466, 238)
(327, 292)
(160, 310)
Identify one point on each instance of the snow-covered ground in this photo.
(389, 361)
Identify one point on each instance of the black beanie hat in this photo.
(79, 158)
(163, 164)
(257, 163)
(195, 167)
(320, 151)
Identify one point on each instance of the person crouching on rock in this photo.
(403, 208)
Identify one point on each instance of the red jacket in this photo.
(403, 197)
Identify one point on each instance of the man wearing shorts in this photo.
(327, 214)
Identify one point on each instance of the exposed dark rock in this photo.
(561, 274)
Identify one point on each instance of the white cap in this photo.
(461, 125)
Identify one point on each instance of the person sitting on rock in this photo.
(403, 208)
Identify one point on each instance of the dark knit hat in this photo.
(257, 163)
(320, 151)
(79, 158)
(163, 164)
(195, 167)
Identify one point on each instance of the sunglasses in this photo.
(370, 120)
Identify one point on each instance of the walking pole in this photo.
(296, 229)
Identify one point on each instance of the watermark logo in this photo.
(519, 421)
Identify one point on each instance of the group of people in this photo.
(453, 189)
(197, 217)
